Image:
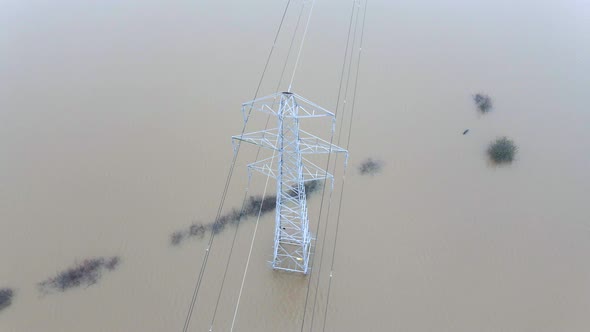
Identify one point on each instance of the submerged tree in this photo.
(502, 150)
(6, 295)
(86, 273)
(251, 207)
(370, 167)
(483, 102)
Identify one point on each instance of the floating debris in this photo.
(502, 150)
(86, 273)
(466, 131)
(251, 208)
(370, 167)
(483, 102)
(6, 295)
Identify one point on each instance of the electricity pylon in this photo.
(292, 239)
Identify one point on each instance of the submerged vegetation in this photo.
(86, 273)
(502, 150)
(370, 167)
(6, 295)
(483, 102)
(252, 206)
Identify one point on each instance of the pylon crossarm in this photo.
(264, 166)
(308, 143)
(265, 138)
(271, 104)
(310, 171)
(311, 144)
(313, 172)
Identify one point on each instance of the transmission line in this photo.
(246, 194)
(329, 155)
(348, 79)
(272, 159)
(228, 180)
(344, 175)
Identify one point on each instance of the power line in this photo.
(246, 194)
(328, 162)
(228, 180)
(301, 46)
(350, 65)
(344, 175)
(272, 159)
(250, 252)
(229, 257)
(290, 47)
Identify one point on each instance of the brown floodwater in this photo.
(115, 126)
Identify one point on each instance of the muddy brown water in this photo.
(115, 118)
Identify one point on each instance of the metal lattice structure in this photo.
(292, 239)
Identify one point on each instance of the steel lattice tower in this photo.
(292, 239)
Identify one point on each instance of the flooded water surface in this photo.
(115, 126)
